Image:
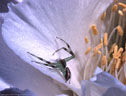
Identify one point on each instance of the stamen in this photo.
(117, 67)
(118, 54)
(112, 48)
(122, 5)
(111, 34)
(112, 18)
(96, 52)
(115, 1)
(106, 39)
(115, 50)
(103, 60)
(124, 9)
(120, 12)
(99, 46)
(110, 65)
(118, 63)
(120, 70)
(99, 52)
(123, 56)
(88, 50)
(101, 41)
(94, 29)
(112, 61)
(96, 49)
(114, 8)
(103, 16)
(120, 30)
(86, 39)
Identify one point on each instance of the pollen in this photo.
(94, 29)
(86, 39)
(88, 50)
(106, 39)
(103, 60)
(103, 16)
(122, 5)
(114, 8)
(120, 13)
(120, 30)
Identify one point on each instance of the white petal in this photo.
(20, 74)
(33, 25)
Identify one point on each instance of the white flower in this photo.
(32, 26)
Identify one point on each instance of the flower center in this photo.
(111, 50)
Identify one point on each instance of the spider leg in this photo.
(39, 58)
(64, 42)
(61, 49)
(69, 48)
(51, 65)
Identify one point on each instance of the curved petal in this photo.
(33, 25)
(102, 88)
(16, 72)
(20, 74)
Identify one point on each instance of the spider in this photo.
(59, 64)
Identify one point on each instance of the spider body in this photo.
(60, 64)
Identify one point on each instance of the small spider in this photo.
(59, 64)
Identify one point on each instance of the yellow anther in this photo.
(120, 30)
(118, 63)
(99, 52)
(88, 50)
(103, 16)
(99, 46)
(106, 39)
(86, 39)
(115, 51)
(94, 29)
(114, 8)
(96, 52)
(96, 49)
(120, 50)
(120, 13)
(103, 60)
(112, 48)
(118, 54)
(122, 5)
